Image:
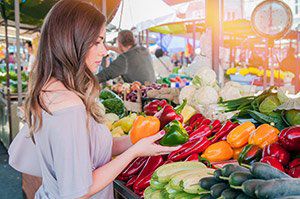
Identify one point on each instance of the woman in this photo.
(73, 148)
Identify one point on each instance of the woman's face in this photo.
(96, 53)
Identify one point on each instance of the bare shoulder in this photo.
(59, 98)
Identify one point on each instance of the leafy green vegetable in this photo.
(269, 104)
(292, 117)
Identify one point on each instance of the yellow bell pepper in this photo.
(187, 112)
(125, 123)
(239, 136)
(264, 135)
(217, 152)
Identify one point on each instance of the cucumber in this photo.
(278, 188)
(230, 193)
(208, 182)
(266, 172)
(243, 196)
(237, 178)
(189, 183)
(157, 185)
(249, 186)
(217, 189)
(164, 172)
(148, 192)
(289, 197)
(217, 174)
(228, 169)
(206, 196)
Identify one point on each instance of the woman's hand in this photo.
(147, 146)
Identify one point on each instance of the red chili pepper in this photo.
(123, 178)
(277, 151)
(189, 129)
(194, 158)
(192, 146)
(194, 118)
(203, 130)
(273, 162)
(131, 181)
(143, 179)
(134, 167)
(294, 168)
(168, 114)
(153, 107)
(216, 126)
(224, 131)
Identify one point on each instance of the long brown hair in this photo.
(70, 29)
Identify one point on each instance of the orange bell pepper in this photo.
(239, 136)
(144, 127)
(217, 152)
(264, 135)
(236, 152)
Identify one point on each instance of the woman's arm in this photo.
(104, 175)
(120, 144)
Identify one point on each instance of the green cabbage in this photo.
(293, 117)
(269, 104)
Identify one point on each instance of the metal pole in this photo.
(104, 7)
(147, 38)
(297, 78)
(18, 61)
(7, 74)
(194, 38)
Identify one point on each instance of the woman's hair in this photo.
(159, 53)
(70, 29)
(126, 38)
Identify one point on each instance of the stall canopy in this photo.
(34, 12)
(133, 12)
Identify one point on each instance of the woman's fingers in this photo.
(157, 136)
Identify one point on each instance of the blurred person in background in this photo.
(31, 59)
(162, 64)
(290, 61)
(134, 62)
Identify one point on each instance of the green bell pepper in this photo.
(175, 134)
(250, 154)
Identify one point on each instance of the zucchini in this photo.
(249, 186)
(157, 185)
(205, 196)
(230, 193)
(266, 172)
(163, 173)
(237, 178)
(158, 194)
(148, 192)
(208, 182)
(243, 196)
(278, 188)
(183, 195)
(217, 189)
(171, 192)
(178, 177)
(189, 183)
(228, 169)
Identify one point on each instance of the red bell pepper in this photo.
(203, 131)
(289, 138)
(153, 107)
(192, 146)
(168, 114)
(224, 131)
(194, 158)
(294, 168)
(277, 151)
(134, 167)
(194, 118)
(273, 162)
(131, 181)
(143, 179)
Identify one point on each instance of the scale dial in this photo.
(272, 19)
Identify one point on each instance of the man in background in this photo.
(134, 62)
(28, 46)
